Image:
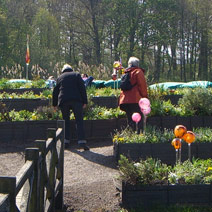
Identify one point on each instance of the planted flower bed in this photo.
(149, 182)
(25, 101)
(22, 90)
(99, 123)
(157, 144)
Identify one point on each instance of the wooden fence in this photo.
(38, 186)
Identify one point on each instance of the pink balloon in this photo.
(136, 117)
(146, 110)
(144, 102)
(145, 107)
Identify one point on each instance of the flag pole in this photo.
(27, 70)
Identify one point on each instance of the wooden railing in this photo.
(38, 186)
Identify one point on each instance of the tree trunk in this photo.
(157, 64)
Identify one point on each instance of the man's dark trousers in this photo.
(77, 108)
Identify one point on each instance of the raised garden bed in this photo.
(106, 101)
(169, 122)
(163, 151)
(27, 131)
(112, 101)
(134, 196)
(25, 104)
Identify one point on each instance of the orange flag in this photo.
(27, 52)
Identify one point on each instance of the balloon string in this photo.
(177, 159)
(189, 152)
(144, 122)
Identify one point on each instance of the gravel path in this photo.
(88, 176)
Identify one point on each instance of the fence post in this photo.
(51, 132)
(41, 144)
(59, 197)
(61, 124)
(8, 186)
(32, 154)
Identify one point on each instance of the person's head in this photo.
(67, 68)
(51, 78)
(84, 75)
(133, 62)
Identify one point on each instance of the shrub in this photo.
(197, 101)
(152, 171)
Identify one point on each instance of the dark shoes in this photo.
(83, 146)
(66, 143)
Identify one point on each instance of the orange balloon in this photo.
(176, 142)
(189, 137)
(179, 131)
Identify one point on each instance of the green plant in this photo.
(152, 171)
(197, 101)
(97, 112)
(108, 91)
(165, 108)
(4, 113)
(46, 94)
(5, 84)
(152, 135)
(155, 135)
(47, 113)
(40, 83)
(203, 134)
(195, 172)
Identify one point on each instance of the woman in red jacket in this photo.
(129, 99)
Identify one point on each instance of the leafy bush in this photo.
(152, 171)
(148, 171)
(203, 134)
(197, 101)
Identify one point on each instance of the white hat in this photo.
(66, 67)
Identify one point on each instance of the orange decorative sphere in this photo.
(176, 143)
(179, 131)
(189, 137)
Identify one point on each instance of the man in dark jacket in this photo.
(70, 94)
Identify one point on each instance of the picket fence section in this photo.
(38, 186)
